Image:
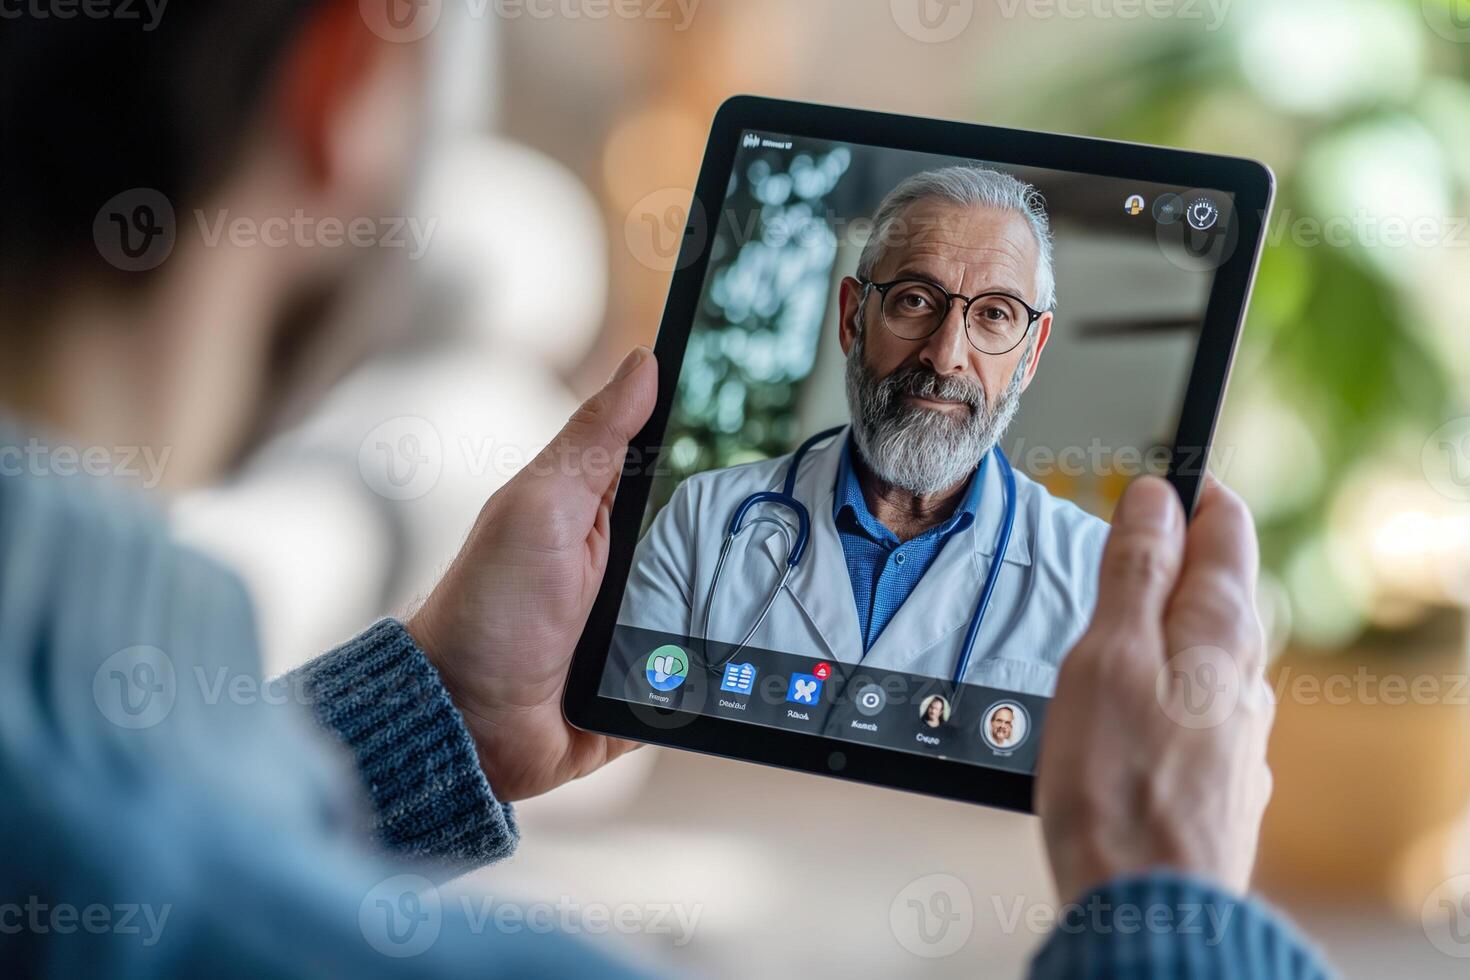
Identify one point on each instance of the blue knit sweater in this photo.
(168, 814)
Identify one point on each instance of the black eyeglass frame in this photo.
(883, 287)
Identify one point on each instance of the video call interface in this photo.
(914, 390)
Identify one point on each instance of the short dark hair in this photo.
(92, 106)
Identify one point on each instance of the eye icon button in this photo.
(870, 699)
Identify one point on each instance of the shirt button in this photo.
(898, 558)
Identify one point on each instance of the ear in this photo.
(850, 312)
(327, 67)
(1043, 334)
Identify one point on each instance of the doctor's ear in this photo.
(1043, 334)
(850, 313)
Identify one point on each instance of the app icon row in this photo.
(1005, 724)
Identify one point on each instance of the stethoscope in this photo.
(796, 549)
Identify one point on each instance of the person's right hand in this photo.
(1154, 753)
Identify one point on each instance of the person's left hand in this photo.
(502, 623)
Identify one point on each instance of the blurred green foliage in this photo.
(1336, 331)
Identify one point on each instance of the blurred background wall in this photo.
(565, 137)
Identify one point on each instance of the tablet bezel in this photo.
(1252, 185)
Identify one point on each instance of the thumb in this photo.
(587, 455)
(1141, 561)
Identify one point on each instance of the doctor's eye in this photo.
(910, 300)
(995, 311)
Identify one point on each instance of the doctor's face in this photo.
(967, 250)
(926, 411)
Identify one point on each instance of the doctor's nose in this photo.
(946, 351)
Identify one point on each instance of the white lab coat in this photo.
(1042, 601)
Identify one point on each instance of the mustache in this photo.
(921, 382)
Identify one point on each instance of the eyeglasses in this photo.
(913, 309)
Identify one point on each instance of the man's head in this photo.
(945, 322)
(1002, 724)
(239, 116)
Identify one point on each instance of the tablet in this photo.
(906, 369)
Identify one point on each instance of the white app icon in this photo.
(1202, 214)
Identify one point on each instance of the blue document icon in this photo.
(739, 678)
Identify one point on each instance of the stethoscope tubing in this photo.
(796, 550)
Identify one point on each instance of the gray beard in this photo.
(924, 451)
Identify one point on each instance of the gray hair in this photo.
(968, 186)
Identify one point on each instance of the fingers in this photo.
(1141, 561)
(1215, 601)
(587, 455)
(1222, 537)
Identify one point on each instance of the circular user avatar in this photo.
(1005, 725)
(934, 711)
(667, 667)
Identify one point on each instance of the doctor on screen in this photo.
(904, 540)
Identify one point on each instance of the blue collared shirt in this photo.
(884, 571)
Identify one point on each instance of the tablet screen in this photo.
(914, 390)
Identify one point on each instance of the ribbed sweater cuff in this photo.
(380, 695)
(1164, 924)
